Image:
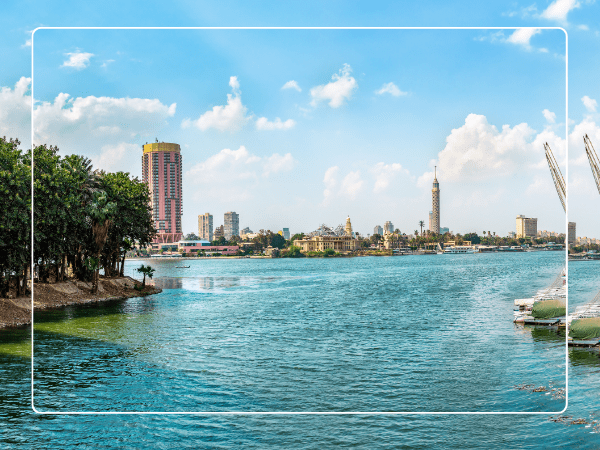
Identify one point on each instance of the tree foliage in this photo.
(83, 218)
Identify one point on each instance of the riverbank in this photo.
(17, 311)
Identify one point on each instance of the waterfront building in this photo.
(571, 234)
(231, 224)
(348, 228)
(161, 172)
(378, 230)
(219, 231)
(512, 234)
(435, 202)
(193, 246)
(388, 227)
(286, 233)
(526, 226)
(342, 244)
(205, 226)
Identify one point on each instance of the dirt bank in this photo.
(17, 311)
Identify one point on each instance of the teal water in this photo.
(363, 334)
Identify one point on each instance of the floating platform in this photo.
(584, 343)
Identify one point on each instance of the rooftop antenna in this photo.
(434, 171)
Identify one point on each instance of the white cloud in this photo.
(121, 157)
(347, 188)
(384, 173)
(522, 36)
(291, 85)
(589, 103)
(236, 174)
(478, 151)
(240, 164)
(336, 91)
(263, 124)
(351, 184)
(549, 116)
(107, 62)
(105, 129)
(583, 27)
(330, 180)
(390, 88)
(559, 9)
(15, 112)
(230, 117)
(277, 163)
(78, 60)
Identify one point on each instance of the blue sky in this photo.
(293, 128)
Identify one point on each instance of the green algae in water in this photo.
(113, 328)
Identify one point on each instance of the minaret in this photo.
(435, 197)
(348, 228)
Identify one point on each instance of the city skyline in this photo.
(314, 141)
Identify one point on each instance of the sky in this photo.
(295, 128)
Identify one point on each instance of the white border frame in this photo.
(307, 412)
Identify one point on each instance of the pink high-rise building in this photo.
(161, 171)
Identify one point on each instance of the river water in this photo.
(372, 334)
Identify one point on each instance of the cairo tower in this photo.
(435, 197)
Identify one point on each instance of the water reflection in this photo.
(211, 283)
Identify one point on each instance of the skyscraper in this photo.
(286, 233)
(205, 226)
(435, 194)
(378, 230)
(231, 225)
(388, 227)
(161, 171)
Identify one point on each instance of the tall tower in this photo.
(161, 171)
(205, 227)
(348, 228)
(435, 197)
(231, 224)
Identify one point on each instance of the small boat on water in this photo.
(182, 267)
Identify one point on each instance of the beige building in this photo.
(205, 227)
(219, 232)
(342, 244)
(526, 227)
(571, 234)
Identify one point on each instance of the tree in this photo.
(473, 237)
(421, 224)
(220, 241)
(102, 212)
(294, 252)
(191, 237)
(15, 203)
(276, 240)
(297, 236)
(147, 271)
(329, 252)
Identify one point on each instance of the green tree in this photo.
(15, 220)
(146, 271)
(421, 224)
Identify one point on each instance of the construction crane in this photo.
(593, 158)
(559, 181)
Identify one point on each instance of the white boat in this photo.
(459, 249)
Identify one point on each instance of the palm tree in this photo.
(421, 224)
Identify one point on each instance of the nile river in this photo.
(411, 333)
